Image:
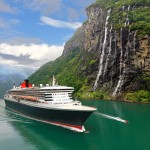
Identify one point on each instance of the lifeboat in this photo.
(30, 98)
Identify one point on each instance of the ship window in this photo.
(48, 100)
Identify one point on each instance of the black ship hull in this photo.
(71, 119)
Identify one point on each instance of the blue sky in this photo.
(36, 30)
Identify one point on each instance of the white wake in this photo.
(112, 117)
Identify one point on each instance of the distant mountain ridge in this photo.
(109, 56)
(13, 74)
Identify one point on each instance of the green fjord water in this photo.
(19, 133)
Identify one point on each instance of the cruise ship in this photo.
(49, 104)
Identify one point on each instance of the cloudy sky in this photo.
(33, 32)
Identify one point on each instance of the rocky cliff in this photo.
(110, 53)
(122, 53)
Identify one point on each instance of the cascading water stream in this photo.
(121, 67)
(109, 52)
(123, 8)
(127, 18)
(127, 21)
(103, 50)
(129, 8)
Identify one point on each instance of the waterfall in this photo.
(123, 8)
(109, 52)
(103, 50)
(129, 8)
(127, 21)
(121, 67)
(127, 18)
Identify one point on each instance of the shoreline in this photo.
(127, 101)
(140, 97)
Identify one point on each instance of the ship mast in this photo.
(54, 81)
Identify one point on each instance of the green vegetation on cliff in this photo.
(138, 12)
(119, 3)
(139, 96)
(64, 68)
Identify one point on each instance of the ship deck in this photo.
(63, 106)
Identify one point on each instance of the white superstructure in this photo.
(55, 96)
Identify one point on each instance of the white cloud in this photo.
(84, 3)
(36, 53)
(3, 61)
(61, 8)
(5, 8)
(20, 40)
(60, 24)
(45, 6)
(8, 23)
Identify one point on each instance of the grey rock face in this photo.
(121, 54)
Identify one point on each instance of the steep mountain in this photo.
(109, 56)
(10, 75)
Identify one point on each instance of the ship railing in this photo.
(77, 103)
(7, 95)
